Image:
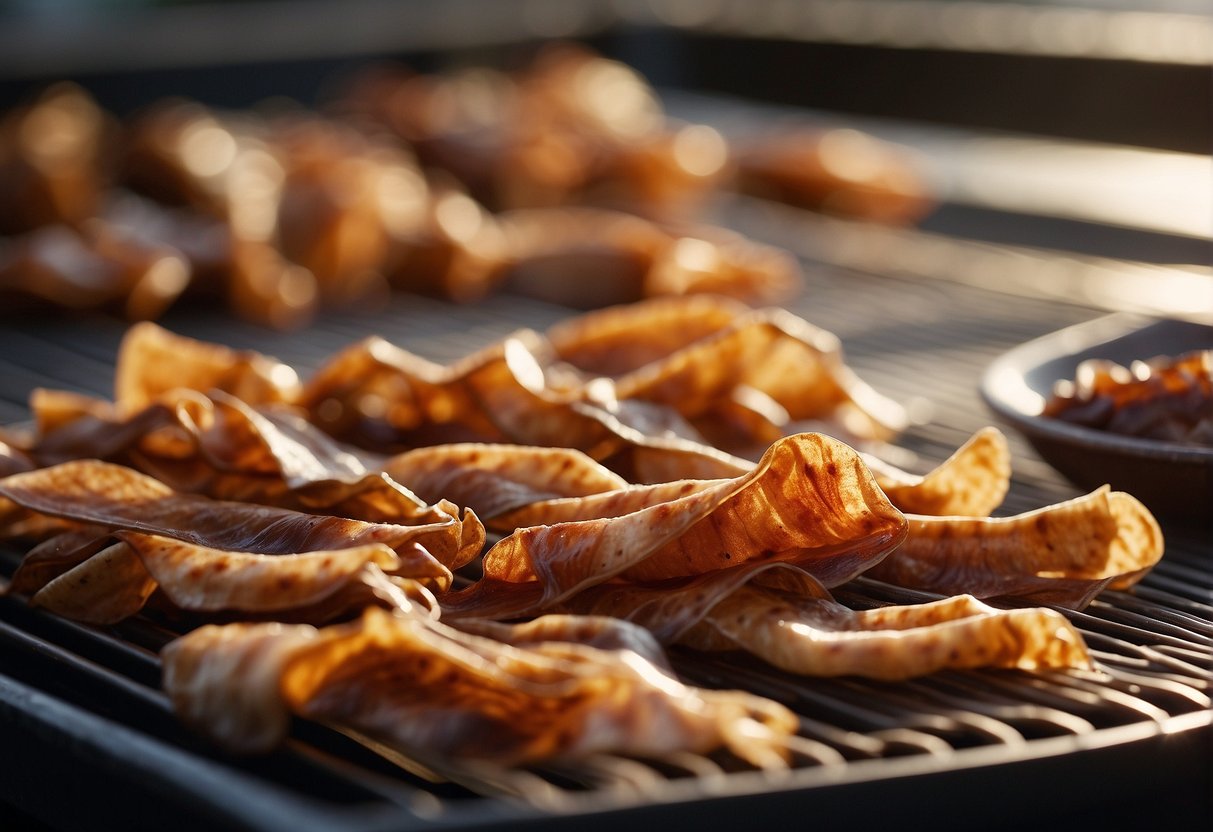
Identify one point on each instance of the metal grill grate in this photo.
(87, 701)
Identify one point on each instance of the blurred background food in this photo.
(284, 157)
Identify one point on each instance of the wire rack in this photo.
(87, 702)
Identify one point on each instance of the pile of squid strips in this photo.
(654, 474)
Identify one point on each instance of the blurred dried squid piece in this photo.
(1169, 398)
(313, 211)
(430, 690)
(454, 249)
(95, 265)
(572, 127)
(52, 160)
(839, 171)
(183, 155)
(1062, 554)
(619, 258)
(13, 460)
(810, 501)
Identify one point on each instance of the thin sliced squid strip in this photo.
(152, 360)
(820, 637)
(119, 498)
(108, 587)
(786, 617)
(496, 479)
(426, 688)
(1062, 554)
(810, 501)
(971, 482)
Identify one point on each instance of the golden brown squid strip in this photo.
(971, 482)
(223, 448)
(119, 498)
(786, 617)
(423, 687)
(57, 554)
(809, 501)
(108, 587)
(727, 346)
(975, 477)
(495, 479)
(820, 637)
(1062, 554)
(378, 395)
(152, 361)
(203, 579)
(310, 586)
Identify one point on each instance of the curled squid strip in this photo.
(809, 501)
(784, 616)
(973, 481)
(120, 499)
(496, 479)
(1062, 554)
(421, 686)
(220, 447)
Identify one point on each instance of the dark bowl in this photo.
(1174, 480)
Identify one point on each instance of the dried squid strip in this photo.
(823, 638)
(108, 587)
(798, 366)
(375, 394)
(809, 501)
(971, 482)
(223, 448)
(495, 479)
(119, 498)
(1062, 554)
(115, 583)
(976, 476)
(203, 579)
(152, 361)
(57, 554)
(785, 617)
(426, 688)
(219, 446)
